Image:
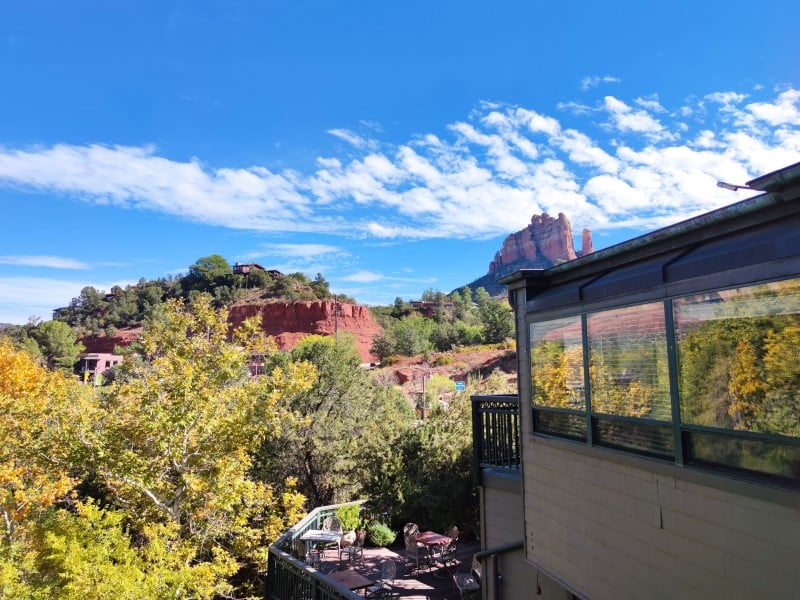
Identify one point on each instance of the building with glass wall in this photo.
(659, 415)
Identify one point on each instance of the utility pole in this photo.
(337, 309)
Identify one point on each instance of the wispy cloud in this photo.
(352, 138)
(51, 262)
(296, 250)
(637, 163)
(363, 277)
(593, 81)
(24, 297)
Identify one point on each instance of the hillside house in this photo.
(653, 450)
(92, 365)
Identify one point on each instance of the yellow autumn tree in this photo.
(33, 456)
(173, 439)
(37, 408)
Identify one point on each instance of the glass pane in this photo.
(628, 367)
(557, 363)
(642, 437)
(774, 458)
(559, 423)
(738, 365)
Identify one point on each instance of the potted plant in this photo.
(350, 516)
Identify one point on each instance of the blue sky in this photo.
(390, 146)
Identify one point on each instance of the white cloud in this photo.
(626, 120)
(52, 262)
(785, 111)
(363, 277)
(652, 104)
(484, 177)
(726, 98)
(595, 80)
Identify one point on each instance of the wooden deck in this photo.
(424, 585)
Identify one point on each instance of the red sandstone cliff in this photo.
(543, 243)
(287, 323)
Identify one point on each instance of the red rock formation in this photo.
(545, 242)
(587, 247)
(288, 323)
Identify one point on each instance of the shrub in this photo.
(350, 515)
(380, 534)
(443, 360)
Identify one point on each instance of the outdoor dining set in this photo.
(425, 552)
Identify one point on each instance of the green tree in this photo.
(58, 344)
(496, 317)
(340, 419)
(207, 273)
(382, 345)
(320, 287)
(462, 303)
(412, 335)
(427, 476)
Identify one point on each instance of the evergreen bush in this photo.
(380, 534)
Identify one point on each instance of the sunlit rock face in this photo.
(543, 243)
(286, 322)
(289, 322)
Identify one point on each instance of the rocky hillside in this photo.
(286, 322)
(477, 362)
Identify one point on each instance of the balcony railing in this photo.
(289, 577)
(495, 433)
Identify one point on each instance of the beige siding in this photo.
(503, 524)
(612, 530)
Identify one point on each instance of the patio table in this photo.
(319, 536)
(431, 539)
(352, 580)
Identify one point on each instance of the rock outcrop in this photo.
(286, 322)
(543, 243)
(289, 322)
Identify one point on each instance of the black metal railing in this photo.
(288, 577)
(495, 433)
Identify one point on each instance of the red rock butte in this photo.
(545, 242)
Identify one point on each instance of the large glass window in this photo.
(557, 364)
(628, 369)
(557, 380)
(738, 358)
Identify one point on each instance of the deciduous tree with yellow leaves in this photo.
(166, 451)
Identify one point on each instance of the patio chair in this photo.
(386, 580)
(410, 529)
(310, 557)
(416, 554)
(447, 555)
(468, 583)
(333, 524)
(355, 552)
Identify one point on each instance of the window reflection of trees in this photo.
(628, 366)
(737, 356)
